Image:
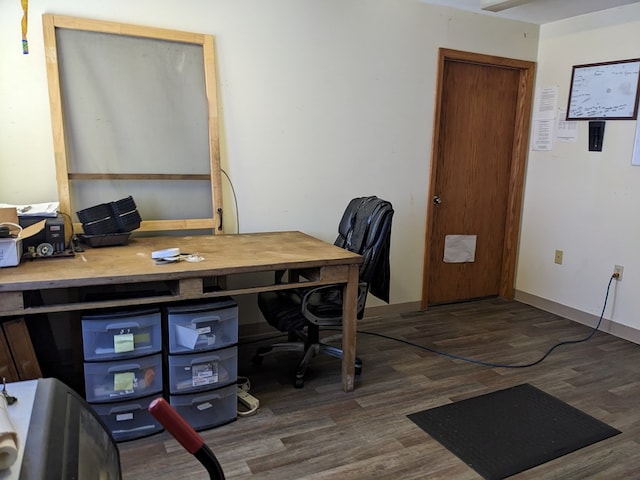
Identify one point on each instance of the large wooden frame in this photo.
(64, 176)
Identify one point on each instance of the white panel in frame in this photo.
(149, 129)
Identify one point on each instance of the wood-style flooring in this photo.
(321, 432)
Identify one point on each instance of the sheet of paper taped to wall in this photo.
(459, 248)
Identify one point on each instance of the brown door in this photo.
(480, 143)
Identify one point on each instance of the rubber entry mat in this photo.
(506, 432)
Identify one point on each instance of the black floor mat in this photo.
(505, 432)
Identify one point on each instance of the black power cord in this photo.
(459, 357)
(500, 365)
(235, 200)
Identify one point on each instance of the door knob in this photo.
(437, 200)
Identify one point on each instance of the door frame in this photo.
(518, 161)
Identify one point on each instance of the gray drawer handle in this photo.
(125, 409)
(120, 326)
(203, 399)
(198, 361)
(124, 368)
(206, 319)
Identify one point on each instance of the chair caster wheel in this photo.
(358, 369)
(298, 383)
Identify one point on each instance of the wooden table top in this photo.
(222, 255)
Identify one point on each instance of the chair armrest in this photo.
(323, 305)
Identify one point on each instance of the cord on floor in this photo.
(501, 365)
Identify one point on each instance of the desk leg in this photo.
(21, 349)
(349, 319)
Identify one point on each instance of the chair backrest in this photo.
(365, 229)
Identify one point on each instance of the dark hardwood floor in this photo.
(321, 432)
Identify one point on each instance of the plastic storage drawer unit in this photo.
(129, 420)
(121, 334)
(202, 371)
(123, 379)
(207, 409)
(204, 326)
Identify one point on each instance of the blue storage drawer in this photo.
(124, 334)
(207, 409)
(123, 379)
(130, 419)
(202, 326)
(203, 371)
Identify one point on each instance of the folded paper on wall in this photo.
(459, 248)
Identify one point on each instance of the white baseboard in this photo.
(608, 326)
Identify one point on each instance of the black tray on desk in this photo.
(105, 240)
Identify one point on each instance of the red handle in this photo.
(176, 425)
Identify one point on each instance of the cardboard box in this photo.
(11, 247)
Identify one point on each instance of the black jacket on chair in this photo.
(360, 231)
(365, 228)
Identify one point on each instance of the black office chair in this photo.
(365, 228)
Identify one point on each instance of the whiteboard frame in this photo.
(604, 69)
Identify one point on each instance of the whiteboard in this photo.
(604, 91)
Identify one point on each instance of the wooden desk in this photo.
(314, 261)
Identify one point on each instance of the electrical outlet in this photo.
(558, 258)
(617, 270)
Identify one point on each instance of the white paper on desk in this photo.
(35, 209)
(8, 437)
(459, 248)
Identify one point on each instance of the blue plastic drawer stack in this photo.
(202, 362)
(123, 369)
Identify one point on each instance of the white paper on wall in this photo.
(459, 248)
(546, 103)
(635, 156)
(567, 131)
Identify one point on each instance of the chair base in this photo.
(309, 351)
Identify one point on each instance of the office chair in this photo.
(365, 228)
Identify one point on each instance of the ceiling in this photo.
(534, 11)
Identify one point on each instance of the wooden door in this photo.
(480, 143)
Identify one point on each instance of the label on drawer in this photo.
(204, 406)
(123, 381)
(124, 417)
(203, 330)
(204, 374)
(123, 343)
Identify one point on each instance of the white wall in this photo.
(322, 101)
(584, 203)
